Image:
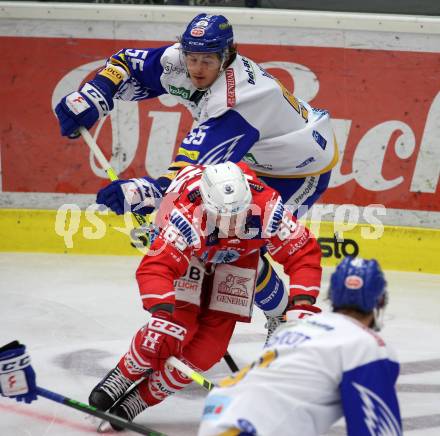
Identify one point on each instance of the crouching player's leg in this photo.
(134, 385)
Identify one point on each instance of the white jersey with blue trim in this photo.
(309, 376)
(246, 114)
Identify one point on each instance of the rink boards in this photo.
(379, 75)
(91, 232)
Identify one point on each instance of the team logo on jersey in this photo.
(378, 417)
(354, 282)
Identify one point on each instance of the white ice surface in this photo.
(77, 314)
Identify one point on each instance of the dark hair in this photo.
(232, 54)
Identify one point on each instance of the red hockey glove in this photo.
(300, 311)
(162, 338)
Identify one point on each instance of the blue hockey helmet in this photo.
(207, 33)
(358, 283)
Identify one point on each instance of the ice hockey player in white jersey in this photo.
(241, 113)
(314, 372)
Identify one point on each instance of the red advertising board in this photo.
(385, 105)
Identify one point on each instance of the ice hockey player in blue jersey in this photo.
(317, 370)
(241, 113)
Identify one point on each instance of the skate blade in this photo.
(104, 427)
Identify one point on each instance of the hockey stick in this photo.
(90, 410)
(230, 362)
(105, 164)
(190, 373)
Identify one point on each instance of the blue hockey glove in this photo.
(82, 108)
(141, 196)
(17, 378)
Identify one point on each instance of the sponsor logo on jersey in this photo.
(249, 70)
(225, 256)
(234, 290)
(190, 154)
(305, 191)
(275, 218)
(256, 186)
(322, 142)
(179, 92)
(113, 74)
(251, 159)
(288, 338)
(234, 285)
(300, 242)
(169, 68)
(230, 87)
(215, 404)
(234, 241)
(197, 32)
(189, 233)
(306, 162)
(320, 325)
(194, 195)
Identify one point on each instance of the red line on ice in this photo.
(20, 410)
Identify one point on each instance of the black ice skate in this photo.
(128, 407)
(272, 323)
(109, 390)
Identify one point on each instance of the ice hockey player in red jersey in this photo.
(200, 276)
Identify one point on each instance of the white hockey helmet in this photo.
(224, 189)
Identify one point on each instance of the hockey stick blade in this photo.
(90, 410)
